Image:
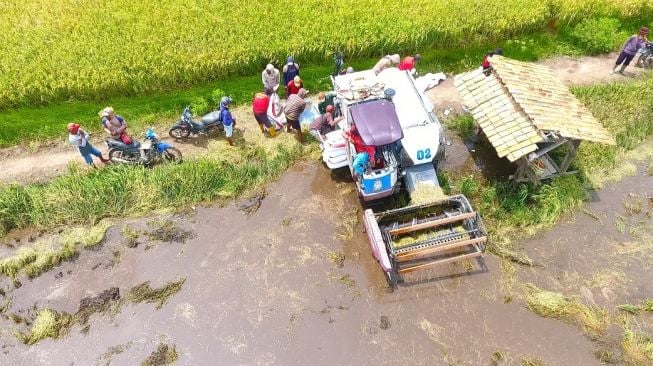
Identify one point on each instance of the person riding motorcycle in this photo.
(114, 125)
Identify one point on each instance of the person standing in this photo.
(260, 105)
(228, 121)
(290, 70)
(409, 62)
(295, 105)
(270, 77)
(385, 62)
(275, 112)
(79, 138)
(629, 50)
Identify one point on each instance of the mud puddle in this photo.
(271, 288)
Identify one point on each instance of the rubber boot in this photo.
(623, 68)
(614, 69)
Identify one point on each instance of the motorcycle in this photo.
(154, 149)
(645, 58)
(186, 126)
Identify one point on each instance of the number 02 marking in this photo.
(423, 154)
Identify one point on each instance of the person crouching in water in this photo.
(295, 105)
(260, 105)
(228, 121)
(79, 138)
(629, 50)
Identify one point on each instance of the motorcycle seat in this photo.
(120, 145)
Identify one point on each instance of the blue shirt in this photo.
(227, 119)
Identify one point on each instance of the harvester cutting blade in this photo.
(424, 235)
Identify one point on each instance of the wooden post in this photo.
(571, 154)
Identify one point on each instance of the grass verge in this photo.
(80, 197)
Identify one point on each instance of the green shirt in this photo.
(328, 100)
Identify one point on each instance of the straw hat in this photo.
(106, 112)
(298, 81)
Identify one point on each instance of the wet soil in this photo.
(260, 289)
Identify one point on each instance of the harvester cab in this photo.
(388, 118)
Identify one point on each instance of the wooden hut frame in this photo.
(527, 112)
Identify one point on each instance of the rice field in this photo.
(88, 49)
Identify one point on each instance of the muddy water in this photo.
(259, 290)
(604, 252)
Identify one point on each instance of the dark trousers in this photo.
(624, 58)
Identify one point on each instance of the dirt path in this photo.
(571, 70)
(20, 165)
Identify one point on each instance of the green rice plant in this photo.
(159, 296)
(630, 309)
(636, 348)
(648, 305)
(11, 266)
(464, 125)
(48, 324)
(532, 361)
(598, 35)
(88, 237)
(163, 355)
(593, 320)
(469, 185)
(72, 50)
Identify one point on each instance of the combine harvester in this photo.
(392, 115)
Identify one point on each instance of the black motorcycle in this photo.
(186, 126)
(158, 151)
(646, 57)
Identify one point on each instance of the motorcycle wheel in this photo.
(172, 155)
(178, 133)
(118, 156)
(647, 61)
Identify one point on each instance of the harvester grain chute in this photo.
(395, 124)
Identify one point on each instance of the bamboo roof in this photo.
(519, 101)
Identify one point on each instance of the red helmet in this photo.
(329, 108)
(73, 128)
